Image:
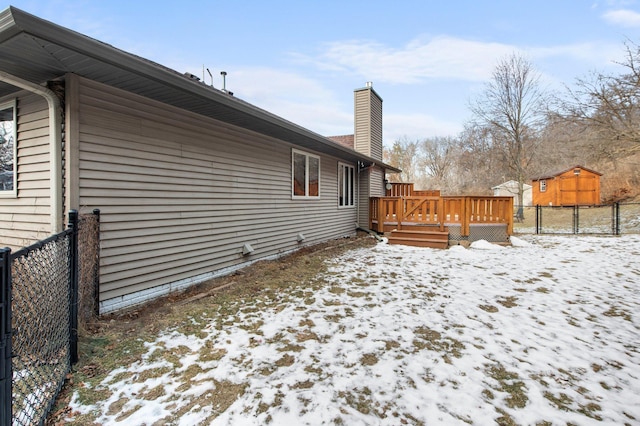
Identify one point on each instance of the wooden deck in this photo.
(437, 213)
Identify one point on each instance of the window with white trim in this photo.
(543, 185)
(346, 185)
(8, 148)
(305, 175)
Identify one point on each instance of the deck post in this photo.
(372, 212)
(509, 217)
(382, 214)
(466, 216)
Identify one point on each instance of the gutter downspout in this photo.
(55, 145)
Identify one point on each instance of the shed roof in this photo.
(38, 51)
(550, 175)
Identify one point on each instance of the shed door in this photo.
(577, 190)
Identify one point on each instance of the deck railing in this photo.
(401, 189)
(396, 212)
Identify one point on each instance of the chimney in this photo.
(368, 122)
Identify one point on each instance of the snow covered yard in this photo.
(542, 333)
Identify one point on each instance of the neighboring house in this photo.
(191, 182)
(510, 189)
(573, 186)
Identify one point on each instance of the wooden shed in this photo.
(569, 187)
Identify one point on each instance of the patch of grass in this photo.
(285, 361)
(289, 347)
(432, 340)
(561, 401)
(508, 302)
(369, 359)
(307, 384)
(210, 353)
(336, 290)
(390, 345)
(305, 335)
(360, 400)
(116, 406)
(591, 410)
(153, 394)
(510, 383)
(152, 373)
(489, 308)
(90, 396)
(123, 415)
(505, 419)
(614, 311)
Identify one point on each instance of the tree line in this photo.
(520, 131)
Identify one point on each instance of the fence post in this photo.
(73, 287)
(6, 367)
(538, 219)
(615, 218)
(96, 266)
(576, 219)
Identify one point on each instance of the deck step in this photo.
(424, 238)
(419, 242)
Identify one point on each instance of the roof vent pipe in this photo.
(224, 80)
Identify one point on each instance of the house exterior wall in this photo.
(568, 189)
(180, 194)
(26, 217)
(371, 185)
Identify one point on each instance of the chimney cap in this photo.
(369, 84)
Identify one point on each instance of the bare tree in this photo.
(403, 155)
(479, 162)
(608, 108)
(513, 108)
(437, 161)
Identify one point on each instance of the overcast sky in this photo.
(302, 59)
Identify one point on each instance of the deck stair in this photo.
(422, 238)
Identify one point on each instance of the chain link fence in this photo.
(40, 311)
(615, 219)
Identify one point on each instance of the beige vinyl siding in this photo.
(25, 219)
(377, 182)
(180, 194)
(371, 185)
(363, 197)
(368, 123)
(362, 117)
(376, 127)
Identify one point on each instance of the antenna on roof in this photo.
(211, 76)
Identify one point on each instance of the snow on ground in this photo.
(543, 332)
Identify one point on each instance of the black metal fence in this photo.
(39, 315)
(612, 219)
